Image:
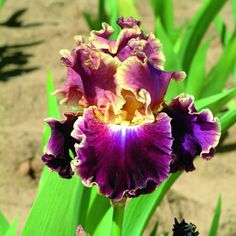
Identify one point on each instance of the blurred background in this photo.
(31, 35)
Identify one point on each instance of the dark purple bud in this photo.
(184, 229)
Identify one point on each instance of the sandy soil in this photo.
(31, 50)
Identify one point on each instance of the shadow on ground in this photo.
(13, 60)
(15, 20)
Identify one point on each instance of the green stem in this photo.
(117, 219)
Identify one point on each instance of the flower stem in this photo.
(117, 219)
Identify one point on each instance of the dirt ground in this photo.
(29, 52)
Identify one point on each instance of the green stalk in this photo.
(117, 219)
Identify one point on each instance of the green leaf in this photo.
(53, 110)
(196, 75)
(104, 227)
(102, 12)
(97, 211)
(139, 210)
(11, 231)
(227, 119)
(216, 219)
(172, 61)
(127, 8)
(56, 208)
(4, 225)
(217, 101)
(224, 33)
(234, 74)
(174, 89)
(1, 3)
(164, 11)
(177, 37)
(59, 206)
(77, 213)
(231, 104)
(222, 30)
(219, 74)
(196, 30)
(113, 12)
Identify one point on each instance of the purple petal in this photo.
(153, 51)
(145, 49)
(114, 47)
(131, 41)
(123, 160)
(100, 39)
(194, 133)
(57, 155)
(133, 75)
(127, 22)
(90, 79)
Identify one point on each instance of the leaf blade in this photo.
(164, 10)
(97, 212)
(216, 218)
(227, 119)
(196, 30)
(127, 8)
(222, 30)
(48, 211)
(172, 62)
(11, 231)
(196, 75)
(217, 101)
(219, 74)
(4, 225)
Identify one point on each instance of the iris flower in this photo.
(128, 139)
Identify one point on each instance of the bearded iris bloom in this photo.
(128, 139)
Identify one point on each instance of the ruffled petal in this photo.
(57, 156)
(153, 51)
(122, 160)
(122, 49)
(131, 41)
(134, 75)
(127, 22)
(100, 39)
(90, 79)
(146, 48)
(194, 133)
(114, 47)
